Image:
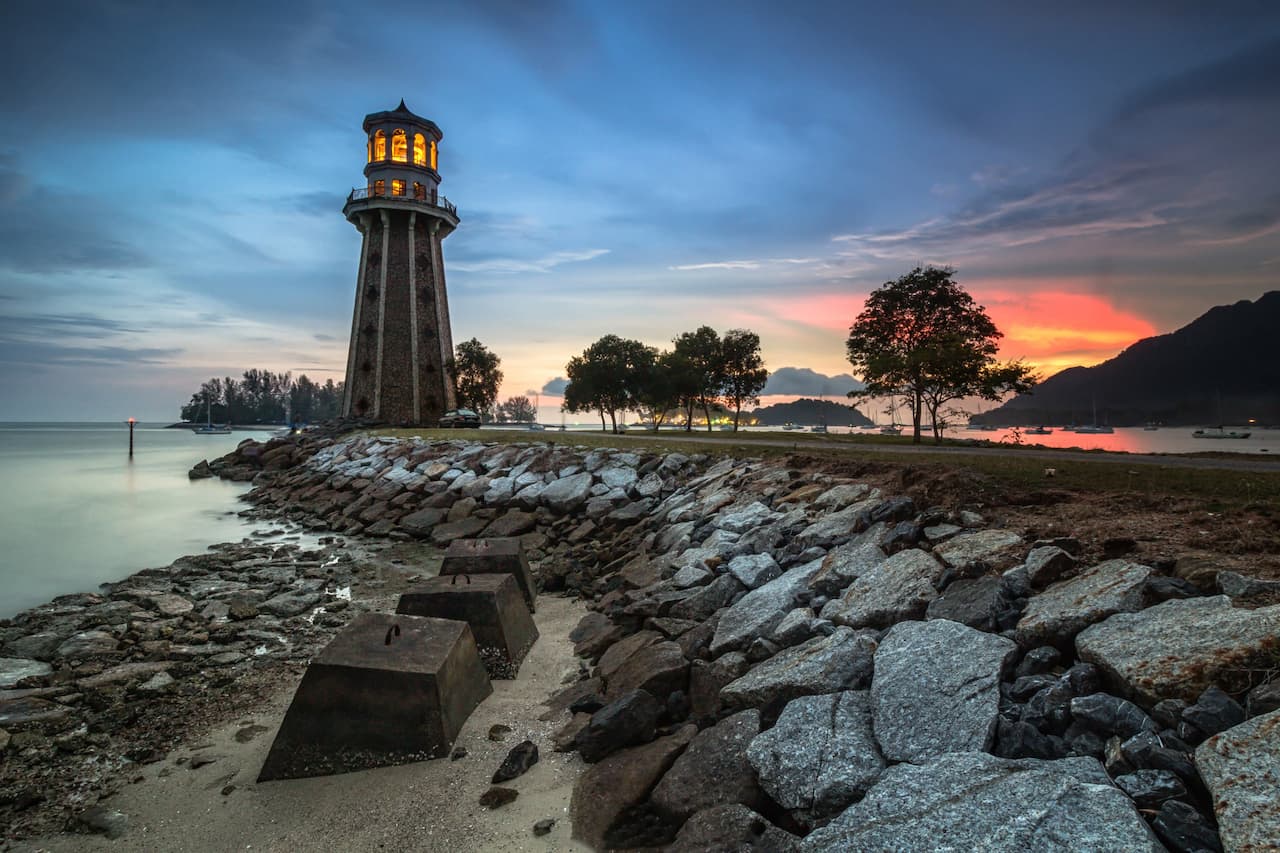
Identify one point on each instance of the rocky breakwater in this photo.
(95, 684)
(783, 658)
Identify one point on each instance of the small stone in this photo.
(1111, 715)
(1214, 712)
(1150, 788)
(1184, 830)
(518, 761)
(105, 821)
(227, 789)
(199, 761)
(543, 826)
(458, 752)
(496, 797)
(499, 732)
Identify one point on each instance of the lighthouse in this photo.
(401, 343)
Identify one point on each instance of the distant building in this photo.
(400, 336)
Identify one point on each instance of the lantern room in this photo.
(402, 156)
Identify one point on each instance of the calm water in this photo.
(75, 512)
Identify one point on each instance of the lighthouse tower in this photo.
(400, 337)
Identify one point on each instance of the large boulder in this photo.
(820, 756)
(660, 669)
(567, 493)
(754, 570)
(937, 689)
(899, 588)
(13, 670)
(974, 801)
(713, 771)
(1178, 648)
(1066, 608)
(841, 661)
(993, 547)
(837, 528)
(626, 721)
(701, 603)
(606, 791)
(1241, 768)
(731, 828)
(759, 611)
(977, 603)
(88, 644)
(842, 566)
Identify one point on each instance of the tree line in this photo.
(261, 396)
(701, 370)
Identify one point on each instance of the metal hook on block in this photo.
(393, 629)
(454, 582)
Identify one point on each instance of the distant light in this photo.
(133, 420)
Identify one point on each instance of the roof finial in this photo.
(402, 108)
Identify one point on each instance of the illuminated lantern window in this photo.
(419, 150)
(397, 187)
(379, 187)
(419, 191)
(379, 146)
(370, 147)
(399, 147)
(434, 154)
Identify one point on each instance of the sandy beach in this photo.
(179, 804)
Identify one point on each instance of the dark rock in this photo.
(1168, 712)
(731, 828)
(677, 710)
(1045, 564)
(543, 826)
(496, 797)
(975, 603)
(660, 669)
(1150, 788)
(894, 509)
(1082, 740)
(713, 771)
(241, 609)
(458, 752)
(707, 599)
(1118, 546)
(1214, 712)
(627, 721)
(1164, 588)
(1038, 660)
(622, 781)
(706, 678)
(588, 704)
(1023, 740)
(594, 633)
(1145, 752)
(1184, 830)
(565, 739)
(1263, 699)
(518, 761)
(420, 523)
(1111, 715)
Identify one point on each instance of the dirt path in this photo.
(428, 806)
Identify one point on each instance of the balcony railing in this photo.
(430, 200)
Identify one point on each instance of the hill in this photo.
(806, 411)
(1222, 368)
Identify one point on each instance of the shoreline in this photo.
(587, 519)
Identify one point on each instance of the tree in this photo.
(659, 393)
(924, 338)
(742, 371)
(609, 377)
(699, 371)
(517, 409)
(476, 376)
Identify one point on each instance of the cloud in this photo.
(40, 354)
(321, 337)
(536, 265)
(556, 386)
(744, 265)
(1252, 74)
(801, 381)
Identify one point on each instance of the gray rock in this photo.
(1063, 610)
(753, 515)
(708, 599)
(511, 523)
(713, 771)
(754, 570)
(839, 527)
(976, 603)
(291, 603)
(103, 820)
(842, 661)
(899, 588)
(463, 528)
(1242, 586)
(839, 497)
(1178, 648)
(1263, 699)
(39, 646)
(1149, 788)
(937, 689)
(567, 493)
(974, 801)
(691, 575)
(1241, 768)
(1046, 563)
(618, 477)
(797, 626)
(731, 828)
(820, 756)
(158, 683)
(845, 564)
(986, 546)
(529, 496)
(87, 644)
(13, 670)
(759, 611)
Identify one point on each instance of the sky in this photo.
(172, 178)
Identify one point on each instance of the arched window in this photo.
(379, 146)
(434, 154)
(397, 187)
(379, 188)
(399, 146)
(419, 150)
(419, 191)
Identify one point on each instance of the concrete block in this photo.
(389, 689)
(490, 604)
(491, 556)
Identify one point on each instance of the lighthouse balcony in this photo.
(417, 198)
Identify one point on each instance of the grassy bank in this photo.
(1083, 471)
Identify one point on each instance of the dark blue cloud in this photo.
(802, 381)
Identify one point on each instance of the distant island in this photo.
(807, 411)
(1222, 368)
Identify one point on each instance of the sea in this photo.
(76, 511)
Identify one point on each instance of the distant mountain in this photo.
(1222, 368)
(806, 412)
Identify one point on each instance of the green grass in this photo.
(1224, 488)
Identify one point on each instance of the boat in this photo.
(891, 429)
(788, 426)
(1040, 430)
(819, 428)
(1095, 428)
(209, 428)
(1221, 433)
(537, 427)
